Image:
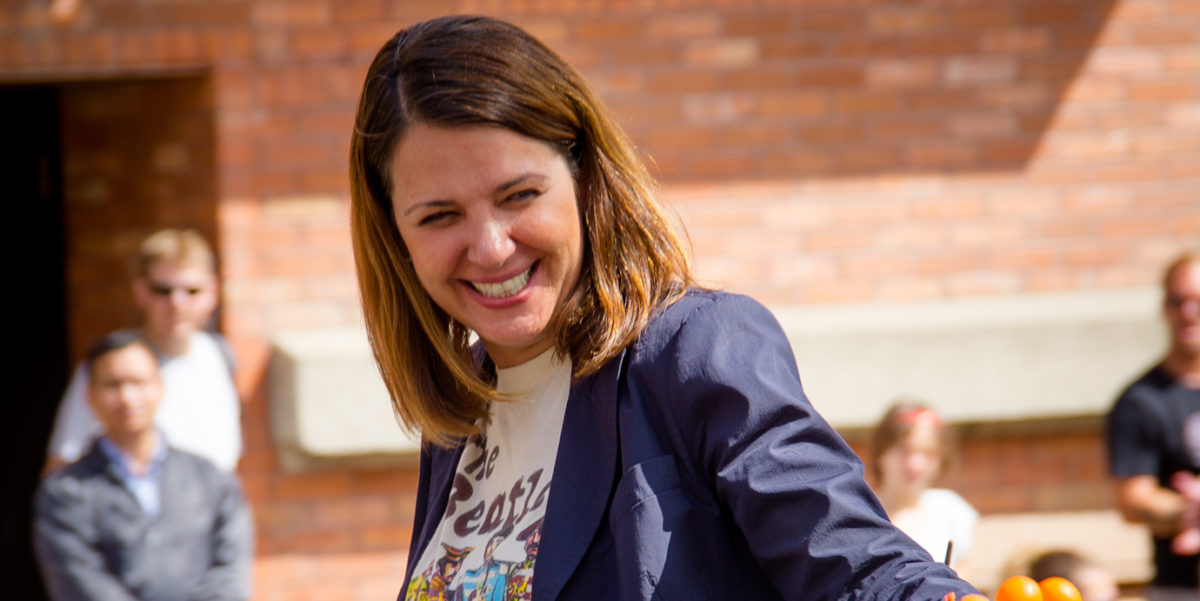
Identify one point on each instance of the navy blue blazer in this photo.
(693, 467)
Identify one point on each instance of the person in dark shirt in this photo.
(1154, 440)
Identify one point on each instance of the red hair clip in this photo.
(919, 417)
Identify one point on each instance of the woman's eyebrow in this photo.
(518, 180)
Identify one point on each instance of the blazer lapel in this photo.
(584, 475)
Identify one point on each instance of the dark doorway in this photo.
(30, 167)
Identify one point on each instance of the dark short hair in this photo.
(1062, 563)
(115, 341)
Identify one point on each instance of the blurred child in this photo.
(911, 449)
(1094, 583)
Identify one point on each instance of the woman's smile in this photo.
(506, 288)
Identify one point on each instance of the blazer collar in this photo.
(584, 475)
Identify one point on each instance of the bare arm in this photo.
(1141, 500)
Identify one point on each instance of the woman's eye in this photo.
(522, 195)
(435, 218)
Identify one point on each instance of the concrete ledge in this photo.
(1016, 359)
(1121, 548)
(328, 403)
(976, 360)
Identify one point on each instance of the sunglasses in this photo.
(1179, 303)
(165, 290)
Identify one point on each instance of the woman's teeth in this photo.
(508, 287)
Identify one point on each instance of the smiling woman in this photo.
(616, 433)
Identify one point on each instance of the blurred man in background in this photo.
(135, 519)
(1154, 438)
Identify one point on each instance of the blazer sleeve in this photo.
(228, 576)
(781, 474)
(64, 537)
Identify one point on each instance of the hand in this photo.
(1187, 542)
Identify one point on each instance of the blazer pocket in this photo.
(641, 482)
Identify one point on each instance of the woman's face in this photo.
(914, 462)
(491, 221)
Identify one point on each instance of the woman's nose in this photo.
(491, 243)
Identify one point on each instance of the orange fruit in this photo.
(1059, 589)
(1019, 588)
(974, 597)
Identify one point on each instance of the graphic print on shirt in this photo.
(489, 535)
(1191, 437)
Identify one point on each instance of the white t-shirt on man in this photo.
(200, 411)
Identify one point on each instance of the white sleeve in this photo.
(75, 426)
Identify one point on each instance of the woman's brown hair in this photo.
(466, 70)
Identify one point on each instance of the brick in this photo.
(829, 77)
(975, 71)
(866, 102)
(750, 134)
(680, 137)
(290, 12)
(901, 73)
(314, 485)
(832, 20)
(859, 47)
(691, 26)
(939, 153)
(982, 124)
(761, 23)
(1135, 10)
(757, 80)
(607, 29)
(1095, 90)
(1164, 90)
(906, 20)
(1164, 36)
(386, 537)
(943, 45)
(722, 53)
(1057, 12)
(1166, 143)
(829, 130)
(982, 14)
(1016, 40)
(793, 104)
(351, 512)
(317, 42)
(1140, 62)
(791, 49)
(687, 81)
(358, 11)
(904, 127)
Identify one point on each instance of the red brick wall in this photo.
(138, 154)
(819, 151)
(1044, 465)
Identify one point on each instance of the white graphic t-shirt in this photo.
(486, 544)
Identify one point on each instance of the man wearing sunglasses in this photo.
(1154, 442)
(175, 290)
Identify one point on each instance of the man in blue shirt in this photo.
(134, 519)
